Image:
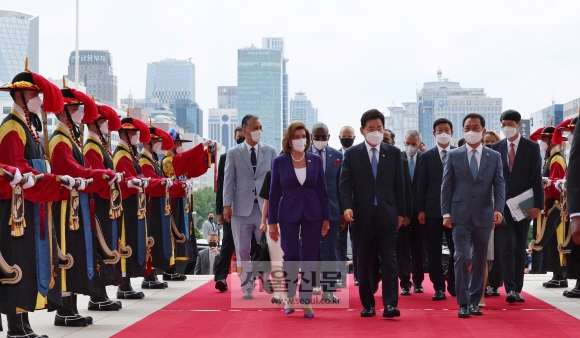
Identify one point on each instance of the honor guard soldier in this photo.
(27, 240)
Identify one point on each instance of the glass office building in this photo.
(227, 97)
(170, 79)
(188, 115)
(301, 110)
(260, 90)
(18, 39)
(96, 73)
(222, 123)
(550, 116)
(278, 44)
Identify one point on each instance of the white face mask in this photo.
(509, 131)
(411, 151)
(77, 117)
(374, 137)
(472, 137)
(34, 104)
(157, 147)
(104, 128)
(443, 138)
(256, 135)
(543, 145)
(320, 144)
(135, 139)
(299, 144)
(179, 149)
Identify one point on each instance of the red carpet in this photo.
(207, 312)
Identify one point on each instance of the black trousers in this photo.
(342, 252)
(494, 276)
(410, 253)
(368, 240)
(513, 239)
(434, 238)
(226, 252)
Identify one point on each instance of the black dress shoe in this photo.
(574, 293)
(248, 294)
(511, 297)
(176, 277)
(391, 312)
(519, 298)
(451, 288)
(368, 312)
(405, 291)
(152, 285)
(494, 291)
(418, 289)
(221, 285)
(72, 320)
(439, 295)
(330, 298)
(463, 311)
(474, 310)
(104, 305)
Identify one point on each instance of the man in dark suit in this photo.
(331, 163)
(228, 248)
(346, 137)
(573, 190)
(372, 197)
(411, 239)
(522, 170)
(472, 201)
(429, 208)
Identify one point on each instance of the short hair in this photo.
(511, 115)
(371, 115)
(210, 212)
(414, 133)
(210, 235)
(494, 134)
(318, 125)
(344, 128)
(390, 132)
(461, 142)
(249, 118)
(474, 116)
(289, 132)
(442, 121)
(238, 128)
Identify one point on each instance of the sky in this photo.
(347, 56)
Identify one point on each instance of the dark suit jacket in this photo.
(429, 183)
(202, 262)
(310, 198)
(219, 197)
(526, 171)
(414, 182)
(408, 194)
(358, 187)
(332, 175)
(573, 175)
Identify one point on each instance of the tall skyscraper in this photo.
(170, 79)
(189, 116)
(222, 123)
(301, 110)
(18, 40)
(227, 97)
(402, 119)
(448, 99)
(96, 73)
(278, 44)
(260, 90)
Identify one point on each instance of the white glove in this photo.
(17, 178)
(207, 143)
(548, 181)
(82, 185)
(71, 182)
(560, 185)
(188, 185)
(168, 182)
(119, 177)
(31, 181)
(134, 183)
(145, 183)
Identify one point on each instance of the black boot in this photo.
(67, 317)
(101, 302)
(172, 275)
(19, 326)
(76, 310)
(151, 282)
(125, 291)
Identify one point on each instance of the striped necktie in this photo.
(444, 158)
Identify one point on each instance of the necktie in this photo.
(374, 166)
(322, 157)
(444, 158)
(412, 168)
(473, 164)
(253, 159)
(512, 156)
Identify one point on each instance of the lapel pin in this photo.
(487, 154)
(329, 155)
(308, 160)
(383, 155)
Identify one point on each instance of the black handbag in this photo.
(260, 254)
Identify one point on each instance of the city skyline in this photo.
(524, 54)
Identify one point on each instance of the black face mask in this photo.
(240, 140)
(210, 219)
(212, 244)
(488, 145)
(346, 142)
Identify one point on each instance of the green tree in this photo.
(204, 202)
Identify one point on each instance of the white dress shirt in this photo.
(478, 152)
(370, 152)
(256, 149)
(322, 155)
(516, 143)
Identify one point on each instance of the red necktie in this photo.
(512, 156)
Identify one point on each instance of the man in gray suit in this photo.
(246, 167)
(472, 201)
(208, 258)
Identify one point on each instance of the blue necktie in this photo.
(412, 168)
(374, 166)
(473, 164)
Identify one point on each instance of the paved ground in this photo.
(108, 323)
